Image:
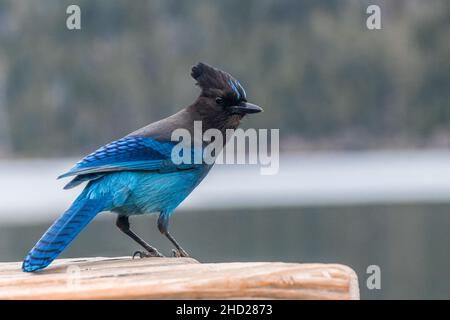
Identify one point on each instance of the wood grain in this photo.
(177, 278)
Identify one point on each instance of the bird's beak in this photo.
(246, 107)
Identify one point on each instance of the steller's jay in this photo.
(136, 174)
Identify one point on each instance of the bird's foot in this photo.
(178, 253)
(147, 254)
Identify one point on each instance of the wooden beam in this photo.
(177, 278)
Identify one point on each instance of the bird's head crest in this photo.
(212, 79)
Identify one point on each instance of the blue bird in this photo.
(136, 175)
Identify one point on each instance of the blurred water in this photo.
(30, 191)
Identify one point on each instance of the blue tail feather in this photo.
(82, 178)
(62, 232)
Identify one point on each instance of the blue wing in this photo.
(129, 153)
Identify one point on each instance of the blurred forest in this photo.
(323, 78)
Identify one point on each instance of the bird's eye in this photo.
(219, 100)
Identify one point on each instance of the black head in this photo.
(222, 91)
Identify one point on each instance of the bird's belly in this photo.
(161, 192)
(140, 192)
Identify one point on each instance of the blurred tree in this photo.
(322, 76)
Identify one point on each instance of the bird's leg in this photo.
(124, 225)
(163, 226)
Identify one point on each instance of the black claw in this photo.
(149, 254)
(178, 253)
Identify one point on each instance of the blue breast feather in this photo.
(140, 192)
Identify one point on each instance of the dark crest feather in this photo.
(197, 70)
(208, 77)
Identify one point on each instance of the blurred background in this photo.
(363, 116)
